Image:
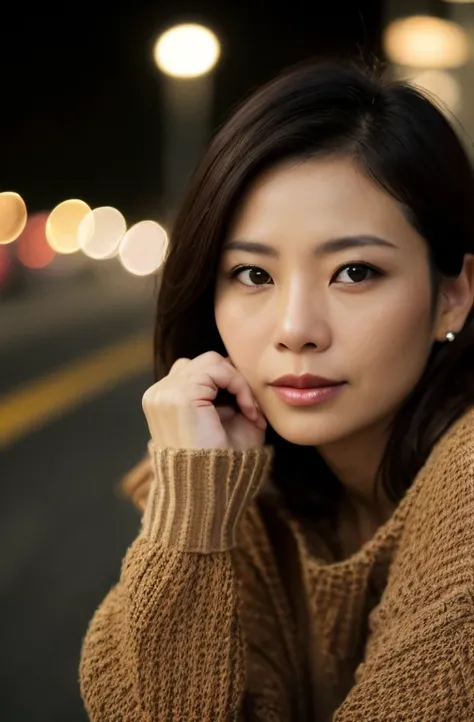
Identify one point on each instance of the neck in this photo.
(356, 461)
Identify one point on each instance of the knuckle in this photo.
(213, 357)
(171, 396)
(146, 399)
(153, 396)
(179, 364)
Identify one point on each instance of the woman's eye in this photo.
(355, 273)
(252, 276)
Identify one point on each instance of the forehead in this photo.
(323, 195)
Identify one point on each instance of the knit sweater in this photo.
(228, 608)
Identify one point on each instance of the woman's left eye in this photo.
(354, 273)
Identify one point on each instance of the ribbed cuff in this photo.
(199, 495)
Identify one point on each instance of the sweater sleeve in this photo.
(428, 681)
(167, 643)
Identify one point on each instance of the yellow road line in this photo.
(47, 398)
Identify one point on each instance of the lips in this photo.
(306, 381)
(306, 391)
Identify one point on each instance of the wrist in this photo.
(198, 496)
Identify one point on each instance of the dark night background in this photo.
(81, 95)
(80, 118)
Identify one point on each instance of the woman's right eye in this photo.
(251, 276)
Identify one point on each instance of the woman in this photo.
(307, 544)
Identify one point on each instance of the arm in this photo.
(167, 643)
(432, 679)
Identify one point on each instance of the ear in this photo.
(455, 300)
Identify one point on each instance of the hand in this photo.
(180, 408)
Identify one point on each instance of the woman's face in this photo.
(321, 274)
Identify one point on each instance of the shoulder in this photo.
(445, 485)
(430, 583)
(429, 593)
(439, 518)
(454, 452)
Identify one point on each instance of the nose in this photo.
(301, 324)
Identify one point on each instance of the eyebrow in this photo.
(324, 249)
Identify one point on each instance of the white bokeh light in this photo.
(100, 232)
(143, 248)
(187, 51)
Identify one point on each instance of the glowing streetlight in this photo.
(186, 55)
(187, 51)
(425, 41)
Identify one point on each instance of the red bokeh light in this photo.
(33, 250)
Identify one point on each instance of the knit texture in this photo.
(188, 510)
(228, 608)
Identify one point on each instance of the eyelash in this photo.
(235, 272)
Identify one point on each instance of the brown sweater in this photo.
(229, 609)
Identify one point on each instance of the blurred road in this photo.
(63, 527)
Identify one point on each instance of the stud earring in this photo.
(450, 336)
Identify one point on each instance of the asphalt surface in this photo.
(63, 527)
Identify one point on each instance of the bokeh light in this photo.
(100, 232)
(32, 247)
(13, 216)
(63, 225)
(187, 51)
(143, 248)
(424, 41)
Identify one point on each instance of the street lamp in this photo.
(187, 51)
(425, 41)
(185, 55)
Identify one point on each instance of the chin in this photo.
(307, 431)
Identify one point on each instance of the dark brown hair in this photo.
(402, 141)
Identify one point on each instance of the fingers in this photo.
(239, 387)
(226, 376)
(219, 373)
(179, 365)
(225, 413)
(178, 407)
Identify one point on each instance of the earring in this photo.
(450, 336)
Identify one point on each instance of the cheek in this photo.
(242, 332)
(394, 340)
